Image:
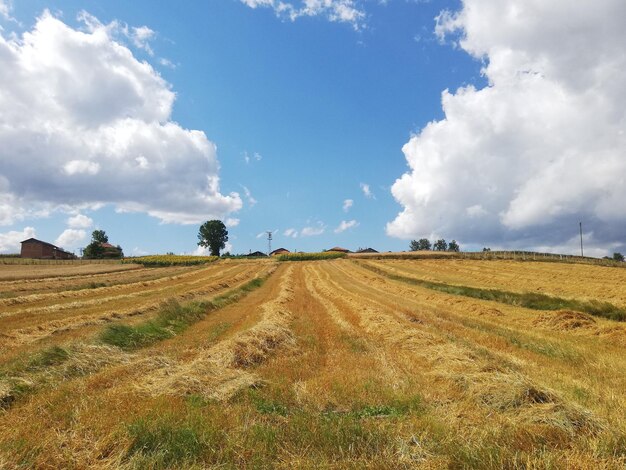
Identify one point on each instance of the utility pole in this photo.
(269, 242)
(581, 239)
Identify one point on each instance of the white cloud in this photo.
(341, 11)
(167, 63)
(231, 222)
(248, 194)
(261, 235)
(543, 146)
(345, 225)
(79, 221)
(70, 238)
(347, 204)
(312, 231)
(254, 157)
(291, 232)
(141, 38)
(5, 9)
(76, 167)
(367, 192)
(10, 241)
(95, 125)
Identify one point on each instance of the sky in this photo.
(353, 123)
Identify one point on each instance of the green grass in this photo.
(530, 300)
(168, 441)
(172, 319)
(311, 256)
(50, 357)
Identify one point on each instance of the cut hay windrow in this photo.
(222, 369)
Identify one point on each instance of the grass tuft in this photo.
(50, 357)
(165, 443)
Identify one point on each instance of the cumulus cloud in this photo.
(71, 238)
(94, 124)
(10, 241)
(340, 11)
(347, 204)
(345, 225)
(522, 160)
(79, 221)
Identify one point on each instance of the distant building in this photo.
(256, 254)
(339, 249)
(280, 251)
(36, 249)
(367, 250)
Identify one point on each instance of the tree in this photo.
(618, 257)
(213, 235)
(420, 245)
(441, 245)
(99, 236)
(486, 249)
(454, 246)
(424, 244)
(95, 250)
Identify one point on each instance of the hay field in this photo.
(315, 364)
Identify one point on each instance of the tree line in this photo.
(424, 244)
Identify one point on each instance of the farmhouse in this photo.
(339, 249)
(36, 249)
(279, 251)
(367, 250)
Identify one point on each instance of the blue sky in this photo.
(304, 111)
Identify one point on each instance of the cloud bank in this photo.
(543, 146)
(85, 123)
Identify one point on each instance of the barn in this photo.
(367, 250)
(37, 249)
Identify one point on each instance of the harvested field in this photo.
(10, 272)
(316, 364)
(580, 281)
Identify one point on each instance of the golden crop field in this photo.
(317, 364)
